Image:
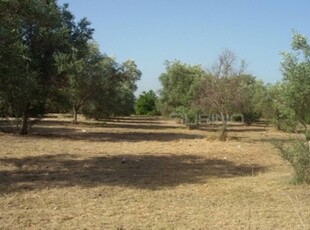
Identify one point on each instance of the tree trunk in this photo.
(75, 113)
(76, 108)
(223, 134)
(24, 129)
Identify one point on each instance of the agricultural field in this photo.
(146, 173)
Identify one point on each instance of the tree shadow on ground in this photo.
(67, 130)
(133, 125)
(137, 119)
(110, 124)
(272, 139)
(134, 136)
(233, 128)
(50, 126)
(135, 171)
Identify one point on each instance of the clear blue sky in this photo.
(194, 32)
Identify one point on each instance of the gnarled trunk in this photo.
(24, 128)
(76, 108)
(75, 114)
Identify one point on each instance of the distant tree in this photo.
(262, 100)
(125, 99)
(252, 103)
(115, 90)
(79, 62)
(83, 74)
(102, 102)
(219, 91)
(178, 83)
(146, 103)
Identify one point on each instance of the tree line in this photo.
(50, 63)
(227, 88)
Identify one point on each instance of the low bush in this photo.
(298, 155)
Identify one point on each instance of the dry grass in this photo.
(139, 173)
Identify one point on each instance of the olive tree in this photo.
(219, 91)
(178, 88)
(296, 79)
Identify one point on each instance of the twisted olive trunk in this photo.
(24, 128)
(75, 114)
(76, 108)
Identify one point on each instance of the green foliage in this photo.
(251, 116)
(178, 84)
(188, 116)
(285, 123)
(33, 33)
(296, 79)
(253, 96)
(307, 135)
(146, 104)
(282, 116)
(83, 73)
(298, 155)
(4, 109)
(114, 94)
(289, 100)
(49, 61)
(130, 74)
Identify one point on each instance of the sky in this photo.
(194, 32)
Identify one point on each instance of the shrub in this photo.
(285, 124)
(298, 155)
(307, 135)
(188, 116)
(251, 117)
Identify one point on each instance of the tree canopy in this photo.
(49, 61)
(296, 79)
(32, 35)
(146, 103)
(178, 83)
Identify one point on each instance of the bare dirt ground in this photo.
(146, 173)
